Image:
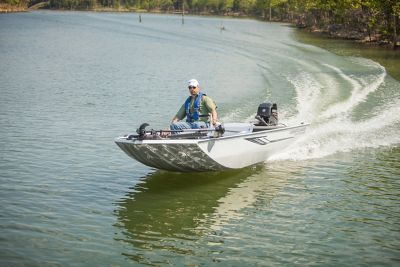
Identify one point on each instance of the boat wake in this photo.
(346, 111)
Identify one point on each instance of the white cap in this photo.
(193, 82)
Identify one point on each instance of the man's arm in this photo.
(179, 115)
(214, 117)
(213, 108)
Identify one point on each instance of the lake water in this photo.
(70, 82)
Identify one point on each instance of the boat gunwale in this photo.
(254, 133)
(202, 140)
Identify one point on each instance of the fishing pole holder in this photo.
(143, 134)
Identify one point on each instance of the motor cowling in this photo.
(267, 114)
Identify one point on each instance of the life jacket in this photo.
(196, 105)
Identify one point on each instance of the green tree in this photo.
(166, 4)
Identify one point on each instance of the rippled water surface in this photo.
(70, 82)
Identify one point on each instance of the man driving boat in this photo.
(199, 110)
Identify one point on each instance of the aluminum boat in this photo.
(228, 146)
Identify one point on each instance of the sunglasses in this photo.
(192, 87)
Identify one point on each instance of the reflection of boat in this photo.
(236, 145)
(172, 214)
(262, 185)
(169, 207)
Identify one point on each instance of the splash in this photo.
(361, 88)
(338, 128)
(308, 92)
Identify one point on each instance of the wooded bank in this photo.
(374, 21)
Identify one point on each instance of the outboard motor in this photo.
(267, 114)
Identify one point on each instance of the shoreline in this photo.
(337, 32)
(7, 8)
(370, 42)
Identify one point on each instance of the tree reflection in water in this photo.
(169, 215)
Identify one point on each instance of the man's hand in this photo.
(174, 119)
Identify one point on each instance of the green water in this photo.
(386, 56)
(70, 82)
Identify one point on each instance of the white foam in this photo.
(343, 135)
(308, 91)
(335, 130)
(360, 89)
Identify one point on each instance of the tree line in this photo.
(356, 19)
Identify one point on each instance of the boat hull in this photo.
(184, 157)
(211, 154)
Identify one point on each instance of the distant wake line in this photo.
(334, 124)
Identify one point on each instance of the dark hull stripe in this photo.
(171, 157)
